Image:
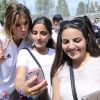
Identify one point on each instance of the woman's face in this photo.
(40, 35)
(21, 27)
(73, 43)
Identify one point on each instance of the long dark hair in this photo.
(47, 23)
(84, 25)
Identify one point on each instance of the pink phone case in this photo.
(36, 72)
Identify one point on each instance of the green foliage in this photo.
(81, 8)
(62, 8)
(43, 7)
(3, 6)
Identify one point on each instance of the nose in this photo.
(38, 36)
(71, 45)
(23, 28)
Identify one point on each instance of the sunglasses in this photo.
(77, 22)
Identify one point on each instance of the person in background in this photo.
(57, 19)
(96, 29)
(1, 25)
(97, 22)
(17, 26)
(77, 55)
(42, 50)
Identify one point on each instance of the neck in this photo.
(41, 50)
(80, 62)
(17, 41)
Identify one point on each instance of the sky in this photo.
(72, 5)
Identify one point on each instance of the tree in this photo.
(62, 8)
(3, 6)
(81, 8)
(43, 7)
(92, 8)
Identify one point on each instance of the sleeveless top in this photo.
(87, 79)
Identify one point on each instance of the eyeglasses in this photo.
(77, 22)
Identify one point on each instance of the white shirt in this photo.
(54, 36)
(87, 79)
(46, 61)
(8, 68)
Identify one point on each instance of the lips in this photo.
(73, 52)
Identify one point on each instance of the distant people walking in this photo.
(57, 19)
(96, 29)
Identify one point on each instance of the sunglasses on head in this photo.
(77, 22)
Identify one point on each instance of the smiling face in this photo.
(73, 43)
(40, 35)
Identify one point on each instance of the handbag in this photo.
(44, 95)
(72, 80)
(92, 96)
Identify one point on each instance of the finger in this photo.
(39, 86)
(1, 46)
(2, 60)
(38, 91)
(7, 43)
(31, 80)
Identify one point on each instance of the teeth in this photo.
(40, 43)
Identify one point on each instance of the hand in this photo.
(3, 50)
(33, 90)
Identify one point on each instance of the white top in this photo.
(54, 36)
(87, 79)
(8, 68)
(46, 61)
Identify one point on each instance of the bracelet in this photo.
(21, 92)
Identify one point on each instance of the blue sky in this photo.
(72, 5)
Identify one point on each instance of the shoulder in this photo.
(63, 70)
(24, 51)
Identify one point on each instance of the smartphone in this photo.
(92, 96)
(36, 72)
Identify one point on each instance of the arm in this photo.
(24, 85)
(55, 88)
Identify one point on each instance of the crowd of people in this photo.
(47, 60)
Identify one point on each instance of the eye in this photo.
(77, 40)
(65, 41)
(34, 32)
(26, 22)
(43, 33)
(17, 25)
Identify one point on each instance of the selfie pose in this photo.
(76, 68)
(28, 76)
(17, 25)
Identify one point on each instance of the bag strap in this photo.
(35, 60)
(72, 79)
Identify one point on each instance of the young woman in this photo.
(77, 59)
(42, 50)
(17, 25)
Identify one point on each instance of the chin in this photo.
(76, 57)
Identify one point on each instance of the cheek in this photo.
(83, 45)
(64, 47)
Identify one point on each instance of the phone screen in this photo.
(36, 72)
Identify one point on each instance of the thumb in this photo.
(32, 80)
